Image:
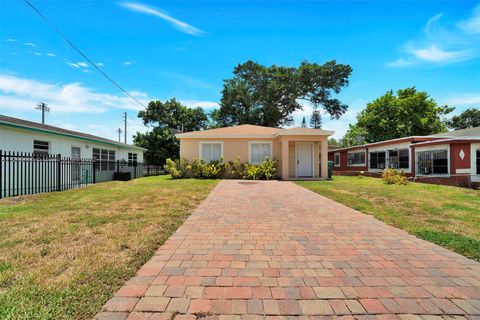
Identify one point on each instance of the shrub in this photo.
(122, 176)
(219, 169)
(266, 170)
(392, 176)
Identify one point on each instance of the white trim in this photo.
(269, 142)
(364, 151)
(196, 135)
(339, 159)
(430, 148)
(473, 162)
(463, 171)
(201, 143)
(296, 159)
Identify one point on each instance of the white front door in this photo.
(304, 159)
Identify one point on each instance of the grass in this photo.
(447, 216)
(62, 255)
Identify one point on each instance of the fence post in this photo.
(1, 176)
(134, 170)
(93, 170)
(118, 166)
(59, 172)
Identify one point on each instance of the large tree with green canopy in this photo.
(165, 119)
(407, 113)
(268, 96)
(467, 119)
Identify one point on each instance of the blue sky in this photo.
(184, 49)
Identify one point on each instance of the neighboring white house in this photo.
(18, 135)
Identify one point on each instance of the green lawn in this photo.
(447, 216)
(62, 255)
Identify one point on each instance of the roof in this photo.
(449, 141)
(251, 131)
(45, 128)
(469, 132)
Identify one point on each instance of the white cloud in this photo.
(180, 25)
(440, 43)
(128, 63)
(50, 54)
(23, 94)
(78, 65)
(73, 65)
(83, 64)
(207, 105)
(472, 25)
(435, 54)
(10, 40)
(37, 53)
(468, 99)
(30, 44)
(100, 64)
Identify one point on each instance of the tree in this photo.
(467, 119)
(268, 96)
(316, 119)
(408, 113)
(304, 122)
(167, 118)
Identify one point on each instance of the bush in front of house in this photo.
(393, 176)
(266, 170)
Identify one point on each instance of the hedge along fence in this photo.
(266, 170)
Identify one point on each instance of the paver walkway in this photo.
(256, 249)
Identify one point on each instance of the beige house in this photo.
(301, 152)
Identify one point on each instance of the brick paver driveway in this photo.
(276, 249)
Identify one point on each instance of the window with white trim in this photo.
(259, 151)
(399, 159)
(40, 148)
(132, 159)
(356, 158)
(210, 151)
(377, 160)
(336, 159)
(432, 162)
(105, 159)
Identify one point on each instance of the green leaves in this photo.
(467, 119)
(408, 113)
(269, 95)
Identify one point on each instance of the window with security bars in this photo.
(356, 158)
(40, 148)
(478, 161)
(105, 159)
(377, 160)
(432, 162)
(132, 159)
(398, 159)
(336, 159)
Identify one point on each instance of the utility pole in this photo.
(44, 108)
(125, 124)
(119, 134)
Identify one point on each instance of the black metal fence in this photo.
(23, 173)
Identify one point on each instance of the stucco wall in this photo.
(18, 140)
(232, 148)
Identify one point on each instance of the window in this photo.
(336, 159)
(478, 161)
(132, 159)
(377, 160)
(40, 148)
(432, 162)
(356, 158)
(398, 159)
(259, 151)
(105, 159)
(210, 151)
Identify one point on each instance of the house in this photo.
(29, 149)
(451, 158)
(301, 152)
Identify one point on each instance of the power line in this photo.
(82, 54)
